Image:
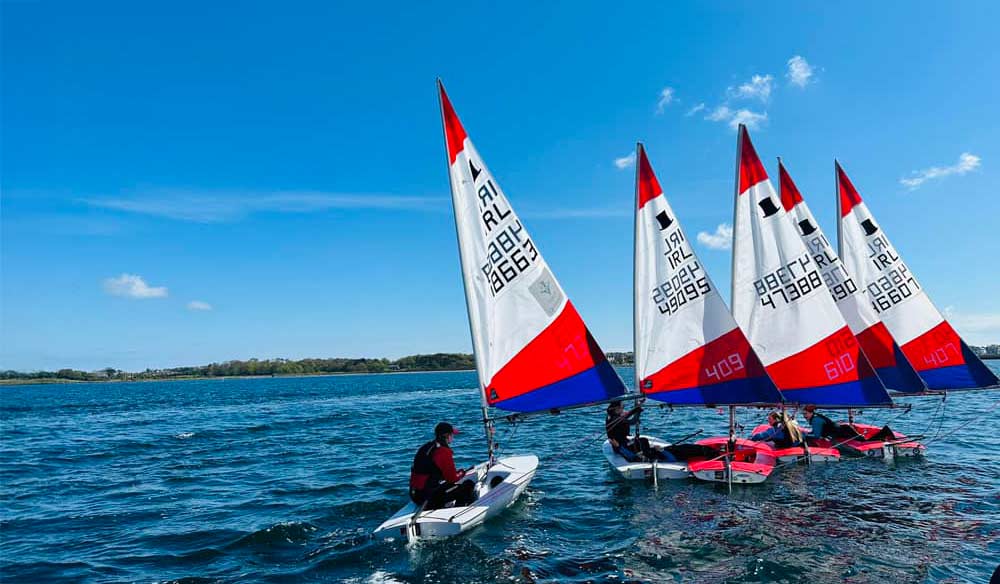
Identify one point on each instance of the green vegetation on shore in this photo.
(254, 367)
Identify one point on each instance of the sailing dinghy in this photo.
(877, 343)
(930, 343)
(781, 301)
(533, 351)
(688, 349)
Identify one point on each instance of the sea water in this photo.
(283, 480)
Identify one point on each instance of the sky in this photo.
(185, 183)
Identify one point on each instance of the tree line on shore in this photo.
(434, 362)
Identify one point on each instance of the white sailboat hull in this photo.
(645, 470)
(515, 471)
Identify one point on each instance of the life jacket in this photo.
(784, 440)
(830, 428)
(617, 430)
(424, 474)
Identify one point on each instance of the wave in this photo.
(289, 532)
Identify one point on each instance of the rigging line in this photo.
(587, 440)
(995, 405)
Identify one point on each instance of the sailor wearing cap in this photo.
(433, 478)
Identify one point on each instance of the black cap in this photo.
(444, 428)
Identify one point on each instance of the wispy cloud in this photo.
(666, 98)
(734, 118)
(800, 72)
(215, 207)
(981, 328)
(133, 286)
(759, 87)
(625, 161)
(199, 306)
(966, 163)
(593, 213)
(720, 240)
(695, 109)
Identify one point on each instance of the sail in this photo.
(877, 343)
(688, 349)
(780, 301)
(533, 351)
(939, 355)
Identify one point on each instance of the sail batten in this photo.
(937, 352)
(781, 301)
(688, 348)
(533, 350)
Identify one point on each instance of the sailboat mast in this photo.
(836, 193)
(736, 217)
(635, 244)
(487, 421)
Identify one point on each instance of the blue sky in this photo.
(284, 166)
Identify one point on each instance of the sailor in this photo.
(617, 424)
(782, 432)
(821, 426)
(434, 482)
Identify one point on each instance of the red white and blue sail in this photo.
(533, 351)
(877, 343)
(939, 355)
(780, 300)
(688, 349)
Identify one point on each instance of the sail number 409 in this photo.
(725, 367)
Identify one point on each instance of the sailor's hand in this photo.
(614, 443)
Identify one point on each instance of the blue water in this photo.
(282, 480)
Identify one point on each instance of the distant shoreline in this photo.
(60, 381)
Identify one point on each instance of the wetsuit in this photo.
(433, 478)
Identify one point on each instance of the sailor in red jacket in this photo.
(433, 478)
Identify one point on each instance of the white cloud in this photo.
(759, 87)
(721, 239)
(625, 161)
(577, 213)
(221, 206)
(734, 118)
(133, 286)
(975, 328)
(799, 71)
(966, 162)
(695, 109)
(666, 98)
(751, 120)
(198, 305)
(720, 114)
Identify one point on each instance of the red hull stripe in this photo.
(564, 349)
(939, 347)
(453, 130)
(834, 360)
(790, 195)
(849, 196)
(751, 170)
(649, 187)
(877, 343)
(727, 358)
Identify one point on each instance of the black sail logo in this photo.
(664, 220)
(869, 227)
(806, 227)
(768, 206)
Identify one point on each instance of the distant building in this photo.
(979, 351)
(620, 358)
(993, 351)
